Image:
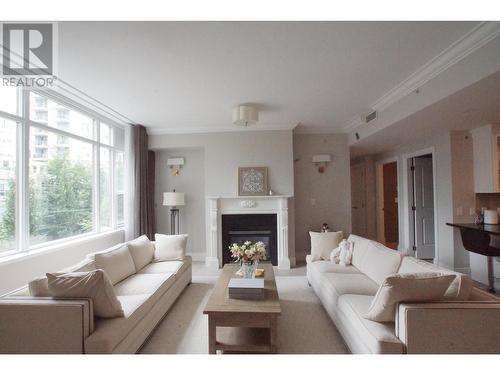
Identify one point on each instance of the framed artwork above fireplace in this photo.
(252, 181)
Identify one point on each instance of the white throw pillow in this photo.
(345, 254)
(170, 247)
(117, 263)
(142, 251)
(411, 287)
(322, 244)
(93, 284)
(335, 255)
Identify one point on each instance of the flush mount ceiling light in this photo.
(244, 115)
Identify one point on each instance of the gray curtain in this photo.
(144, 180)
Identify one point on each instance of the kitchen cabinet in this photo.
(486, 151)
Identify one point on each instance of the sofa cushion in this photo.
(93, 284)
(411, 287)
(350, 283)
(108, 333)
(460, 288)
(142, 251)
(147, 283)
(376, 337)
(333, 285)
(324, 266)
(172, 266)
(117, 263)
(378, 261)
(322, 244)
(359, 249)
(137, 294)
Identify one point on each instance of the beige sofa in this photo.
(48, 325)
(460, 324)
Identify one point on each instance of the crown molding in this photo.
(461, 48)
(220, 129)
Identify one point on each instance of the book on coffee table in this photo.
(240, 288)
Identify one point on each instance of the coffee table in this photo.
(238, 325)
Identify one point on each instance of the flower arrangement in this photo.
(248, 252)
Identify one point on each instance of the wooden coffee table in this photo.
(237, 325)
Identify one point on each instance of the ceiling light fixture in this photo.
(244, 115)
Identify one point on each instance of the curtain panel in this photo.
(143, 173)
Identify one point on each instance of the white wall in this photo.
(223, 154)
(191, 181)
(15, 273)
(320, 197)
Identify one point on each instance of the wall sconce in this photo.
(321, 161)
(176, 165)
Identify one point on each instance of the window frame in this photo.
(22, 167)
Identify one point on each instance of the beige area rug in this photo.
(303, 327)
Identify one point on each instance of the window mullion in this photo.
(23, 190)
(96, 206)
(113, 189)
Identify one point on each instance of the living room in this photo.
(249, 185)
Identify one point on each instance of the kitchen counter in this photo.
(476, 238)
(488, 228)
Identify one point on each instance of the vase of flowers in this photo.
(248, 255)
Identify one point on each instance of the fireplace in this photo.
(238, 228)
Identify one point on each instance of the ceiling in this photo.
(186, 76)
(466, 109)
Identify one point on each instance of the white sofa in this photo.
(457, 325)
(48, 325)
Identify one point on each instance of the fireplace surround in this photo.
(276, 205)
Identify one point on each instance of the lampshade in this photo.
(245, 115)
(173, 198)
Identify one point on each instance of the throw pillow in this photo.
(142, 251)
(93, 284)
(335, 255)
(39, 287)
(345, 254)
(117, 263)
(170, 247)
(415, 287)
(322, 244)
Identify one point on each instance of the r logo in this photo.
(27, 49)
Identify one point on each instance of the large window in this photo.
(8, 136)
(70, 163)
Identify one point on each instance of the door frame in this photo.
(380, 197)
(405, 228)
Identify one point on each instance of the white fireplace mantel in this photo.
(270, 204)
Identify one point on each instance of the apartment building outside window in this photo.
(74, 180)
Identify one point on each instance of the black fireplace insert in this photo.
(250, 227)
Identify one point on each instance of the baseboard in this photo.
(197, 257)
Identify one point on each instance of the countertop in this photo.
(487, 228)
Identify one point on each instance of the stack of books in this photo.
(239, 288)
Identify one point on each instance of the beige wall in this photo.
(223, 153)
(368, 165)
(190, 181)
(462, 171)
(320, 197)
